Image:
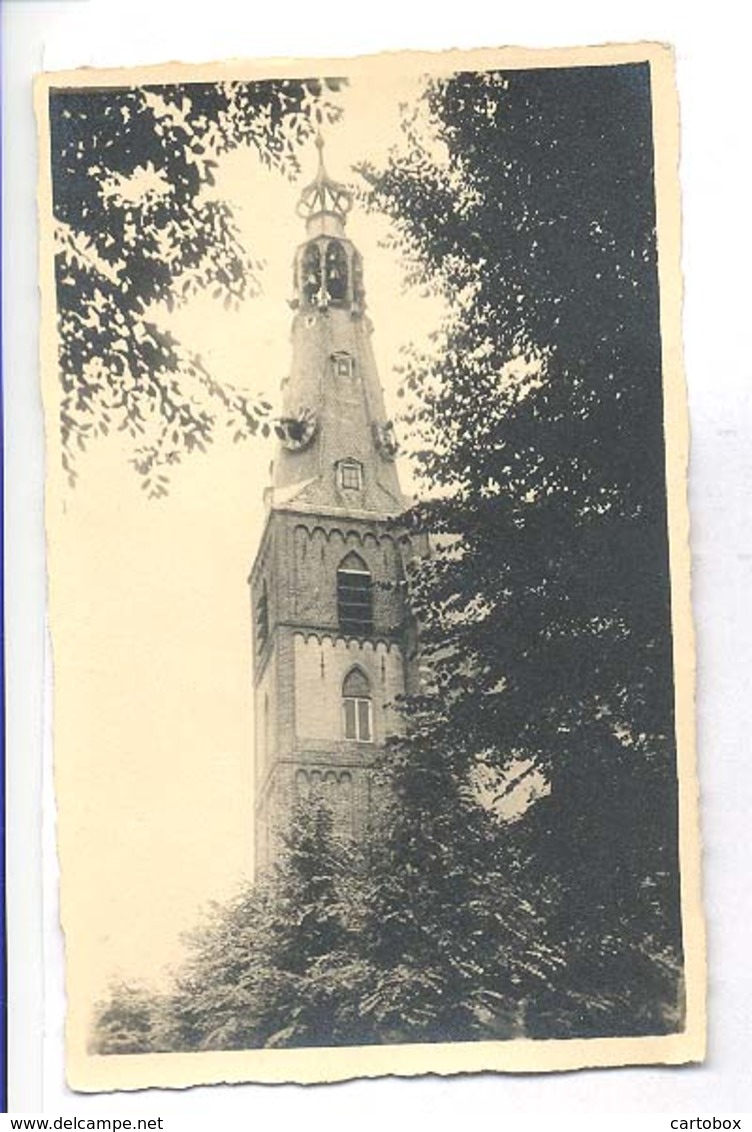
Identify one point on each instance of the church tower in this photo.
(332, 638)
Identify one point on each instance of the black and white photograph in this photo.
(372, 656)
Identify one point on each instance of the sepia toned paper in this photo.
(155, 721)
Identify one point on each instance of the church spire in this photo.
(337, 447)
(333, 639)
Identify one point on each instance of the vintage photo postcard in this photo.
(368, 567)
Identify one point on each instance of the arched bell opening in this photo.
(323, 273)
(311, 280)
(337, 273)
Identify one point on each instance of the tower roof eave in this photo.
(294, 505)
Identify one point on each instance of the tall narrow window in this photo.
(358, 290)
(354, 596)
(262, 618)
(267, 728)
(356, 706)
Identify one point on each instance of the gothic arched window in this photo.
(311, 273)
(357, 707)
(336, 271)
(354, 596)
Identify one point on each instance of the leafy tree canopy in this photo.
(536, 426)
(135, 228)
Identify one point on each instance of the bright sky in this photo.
(264, 204)
(152, 643)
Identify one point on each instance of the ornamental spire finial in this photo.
(324, 195)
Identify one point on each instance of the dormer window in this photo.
(351, 475)
(343, 365)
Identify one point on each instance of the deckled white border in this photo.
(715, 174)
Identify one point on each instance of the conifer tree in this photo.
(278, 965)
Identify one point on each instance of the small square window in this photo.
(343, 364)
(351, 475)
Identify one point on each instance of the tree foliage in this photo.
(537, 427)
(128, 1020)
(267, 968)
(338, 946)
(279, 965)
(136, 228)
